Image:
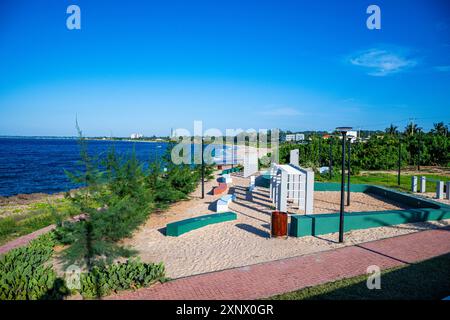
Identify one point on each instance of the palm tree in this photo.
(440, 129)
(412, 128)
(392, 130)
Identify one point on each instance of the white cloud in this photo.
(442, 68)
(383, 62)
(281, 112)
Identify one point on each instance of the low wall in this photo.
(422, 210)
(313, 225)
(394, 195)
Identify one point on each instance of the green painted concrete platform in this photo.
(176, 229)
(231, 170)
(422, 210)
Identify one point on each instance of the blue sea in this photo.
(39, 165)
(31, 165)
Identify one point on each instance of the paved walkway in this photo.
(271, 278)
(24, 240)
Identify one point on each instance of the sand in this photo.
(246, 240)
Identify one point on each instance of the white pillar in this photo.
(294, 157)
(423, 184)
(440, 190)
(309, 192)
(282, 195)
(414, 184)
(274, 188)
(448, 190)
(298, 189)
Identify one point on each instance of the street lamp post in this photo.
(330, 169)
(319, 151)
(348, 170)
(420, 144)
(399, 160)
(343, 131)
(203, 170)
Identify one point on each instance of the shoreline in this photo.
(30, 198)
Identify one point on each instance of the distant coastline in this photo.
(87, 138)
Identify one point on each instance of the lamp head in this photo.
(343, 130)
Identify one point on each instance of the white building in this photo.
(136, 136)
(353, 135)
(295, 137)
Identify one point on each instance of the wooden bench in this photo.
(176, 229)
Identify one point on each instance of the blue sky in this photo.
(149, 66)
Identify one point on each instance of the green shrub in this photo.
(7, 226)
(132, 274)
(39, 215)
(26, 275)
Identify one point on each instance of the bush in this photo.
(26, 275)
(132, 274)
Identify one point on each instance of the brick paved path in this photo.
(24, 240)
(271, 278)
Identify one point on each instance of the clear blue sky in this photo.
(148, 66)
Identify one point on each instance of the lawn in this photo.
(426, 280)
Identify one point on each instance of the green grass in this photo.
(35, 217)
(390, 180)
(426, 280)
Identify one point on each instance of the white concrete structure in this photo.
(414, 184)
(294, 157)
(440, 190)
(223, 203)
(290, 183)
(252, 185)
(423, 184)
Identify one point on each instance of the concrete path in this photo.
(271, 278)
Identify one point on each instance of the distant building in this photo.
(353, 135)
(295, 137)
(136, 136)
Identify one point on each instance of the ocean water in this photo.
(31, 165)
